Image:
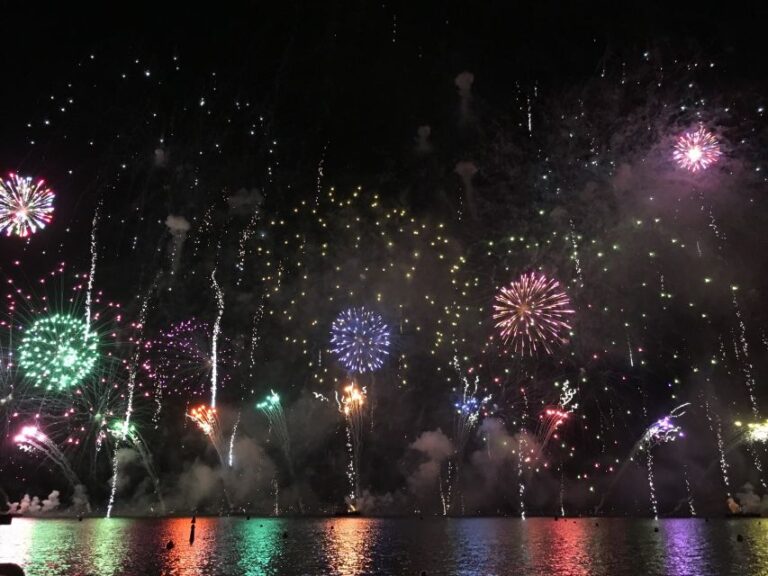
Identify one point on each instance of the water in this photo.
(346, 546)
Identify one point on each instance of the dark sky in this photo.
(277, 84)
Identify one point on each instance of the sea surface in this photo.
(347, 546)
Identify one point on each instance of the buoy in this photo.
(285, 534)
(597, 524)
(170, 545)
(656, 529)
(739, 538)
(556, 518)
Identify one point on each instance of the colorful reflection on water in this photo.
(363, 546)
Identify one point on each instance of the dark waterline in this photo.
(347, 546)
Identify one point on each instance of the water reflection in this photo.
(186, 558)
(259, 544)
(347, 544)
(15, 541)
(108, 543)
(357, 546)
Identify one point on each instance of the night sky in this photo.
(237, 179)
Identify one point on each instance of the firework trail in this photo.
(350, 404)
(272, 408)
(92, 271)
(231, 458)
(662, 431)
(207, 420)
(549, 421)
(532, 314)
(132, 436)
(25, 207)
(468, 408)
(466, 414)
(215, 338)
(31, 439)
(242, 251)
(134, 366)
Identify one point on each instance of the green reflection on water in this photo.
(107, 540)
(260, 544)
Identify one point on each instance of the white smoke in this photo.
(160, 158)
(437, 448)
(749, 502)
(178, 226)
(244, 201)
(32, 506)
(423, 145)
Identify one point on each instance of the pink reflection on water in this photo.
(186, 558)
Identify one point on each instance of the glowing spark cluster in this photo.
(25, 207)
(205, 418)
(58, 351)
(180, 359)
(696, 150)
(532, 313)
(665, 429)
(360, 339)
(757, 432)
(350, 404)
(273, 410)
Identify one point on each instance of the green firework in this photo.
(58, 351)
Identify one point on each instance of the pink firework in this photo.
(532, 314)
(697, 150)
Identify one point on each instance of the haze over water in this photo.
(352, 546)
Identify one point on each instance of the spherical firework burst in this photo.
(181, 358)
(360, 339)
(532, 313)
(696, 150)
(25, 206)
(58, 351)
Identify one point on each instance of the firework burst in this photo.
(532, 314)
(360, 339)
(25, 206)
(696, 150)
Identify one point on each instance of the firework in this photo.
(756, 432)
(467, 410)
(273, 410)
(665, 429)
(360, 339)
(532, 314)
(696, 150)
(58, 351)
(207, 420)
(180, 360)
(32, 439)
(549, 421)
(25, 207)
(350, 404)
(130, 434)
(215, 338)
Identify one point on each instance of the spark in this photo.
(696, 150)
(25, 207)
(532, 313)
